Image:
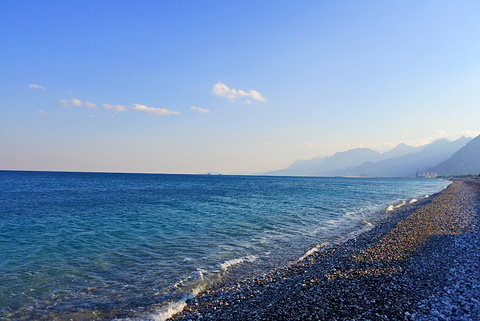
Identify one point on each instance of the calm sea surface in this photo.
(131, 246)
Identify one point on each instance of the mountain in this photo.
(322, 166)
(400, 150)
(352, 157)
(402, 161)
(319, 166)
(407, 165)
(300, 168)
(465, 161)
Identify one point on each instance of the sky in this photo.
(230, 86)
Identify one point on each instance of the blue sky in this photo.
(237, 86)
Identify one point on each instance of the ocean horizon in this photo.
(137, 246)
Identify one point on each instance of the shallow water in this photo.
(125, 245)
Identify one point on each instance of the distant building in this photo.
(426, 174)
(429, 175)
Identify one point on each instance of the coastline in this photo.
(415, 259)
(230, 229)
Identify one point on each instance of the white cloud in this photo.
(200, 109)
(63, 103)
(76, 102)
(420, 141)
(309, 144)
(40, 112)
(36, 86)
(154, 111)
(57, 115)
(114, 107)
(223, 90)
(440, 132)
(470, 133)
(89, 104)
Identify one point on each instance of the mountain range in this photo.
(464, 162)
(443, 156)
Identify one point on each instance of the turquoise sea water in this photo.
(128, 246)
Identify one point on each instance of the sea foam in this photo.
(313, 250)
(228, 264)
(392, 207)
(367, 226)
(170, 310)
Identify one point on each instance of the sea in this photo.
(86, 246)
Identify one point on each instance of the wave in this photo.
(367, 226)
(228, 264)
(392, 207)
(401, 204)
(163, 313)
(313, 250)
(389, 208)
(167, 312)
(193, 285)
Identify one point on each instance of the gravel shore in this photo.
(420, 262)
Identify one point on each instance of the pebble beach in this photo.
(420, 262)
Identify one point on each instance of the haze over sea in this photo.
(130, 245)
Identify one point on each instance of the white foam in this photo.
(367, 223)
(401, 204)
(413, 200)
(392, 207)
(227, 264)
(164, 313)
(193, 284)
(170, 310)
(196, 290)
(200, 286)
(367, 226)
(200, 272)
(313, 250)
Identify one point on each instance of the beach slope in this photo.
(420, 262)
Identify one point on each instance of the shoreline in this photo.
(142, 296)
(397, 270)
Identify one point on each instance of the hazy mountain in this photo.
(300, 168)
(401, 161)
(400, 150)
(318, 166)
(349, 158)
(407, 165)
(322, 166)
(465, 161)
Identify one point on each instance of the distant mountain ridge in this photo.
(408, 165)
(317, 166)
(465, 161)
(401, 161)
(401, 150)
